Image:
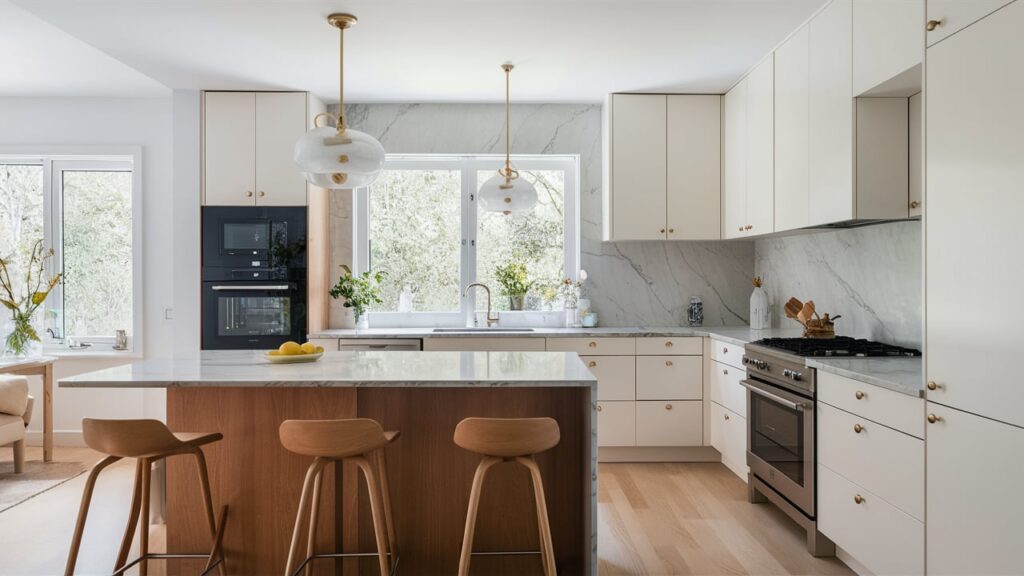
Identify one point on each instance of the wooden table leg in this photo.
(48, 413)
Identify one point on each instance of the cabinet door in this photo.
(888, 39)
(638, 166)
(791, 133)
(675, 423)
(974, 228)
(729, 437)
(669, 377)
(974, 499)
(229, 149)
(954, 15)
(616, 423)
(616, 376)
(761, 148)
(280, 122)
(694, 192)
(735, 185)
(830, 114)
(916, 149)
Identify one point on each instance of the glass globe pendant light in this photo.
(338, 157)
(506, 192)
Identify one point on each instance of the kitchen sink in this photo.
(488, 330)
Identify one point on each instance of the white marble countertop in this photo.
(904, 375)
(250, 368)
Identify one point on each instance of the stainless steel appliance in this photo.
(781, 424)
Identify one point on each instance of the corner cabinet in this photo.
(248, 138)
(749, 188)
(663, 162)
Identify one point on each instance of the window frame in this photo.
(469, 166)
(54, 161)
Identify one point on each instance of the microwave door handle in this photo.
(787, 403)
(248, 287)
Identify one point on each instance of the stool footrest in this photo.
(154, 556)
(511, 553)
(302, 565)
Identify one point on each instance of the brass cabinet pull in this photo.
(933, 24)
(726, 416)
(725, 350)
(858, 499)
(932, 385)
(598, 407)
(592, 344)
(725, 371)
(262, 193)
(248, 193)
(932, 418)
(858, 428)
(915, 204)
(860, 395)
(668, 362)
(592, 364)
(668, 406)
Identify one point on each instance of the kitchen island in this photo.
(422, 394)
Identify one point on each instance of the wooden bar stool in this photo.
(147, 441)
(361, 441)
(507, 440)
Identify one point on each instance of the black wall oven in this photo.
(254, 277)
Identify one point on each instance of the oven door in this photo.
(780, 441)
(252, 315)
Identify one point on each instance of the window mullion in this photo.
(467, 269)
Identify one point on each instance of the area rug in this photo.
(37, 478)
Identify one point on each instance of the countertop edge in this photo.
(881, 382)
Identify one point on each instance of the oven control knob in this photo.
(792, 374)
(746, 360)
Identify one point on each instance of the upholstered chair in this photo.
(15, 413)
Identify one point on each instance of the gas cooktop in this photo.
(840, 346)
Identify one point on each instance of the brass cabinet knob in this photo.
(741, 228)
(248, 193)
(668, 344)
(725, 371)
(932, 418)
(860, 395)
(598, 407)
(262, 193)
(749, 227)
(858, 499)
(592, 344)
(668, 362)
(858, 428)
(592, 364)
(662, 230)
(725, 350)
(726, 416)
(671, 230)
(915, 204)
(932, 385)
(668, 406)
(933, 24)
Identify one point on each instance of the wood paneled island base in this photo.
(430, 477)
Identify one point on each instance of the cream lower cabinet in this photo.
(486, 344)
(616, 424)
(669, 423)
(728, 400)
(729, 437)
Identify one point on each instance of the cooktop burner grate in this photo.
(839, 346)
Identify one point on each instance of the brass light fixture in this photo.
(339, 157)
(506, 192)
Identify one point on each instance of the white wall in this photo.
(143, 122)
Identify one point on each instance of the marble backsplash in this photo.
(631, 283)
(871, 275)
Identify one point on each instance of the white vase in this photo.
(760, 310)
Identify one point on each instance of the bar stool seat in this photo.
(358, 440)
(148, 441)
(508, 440)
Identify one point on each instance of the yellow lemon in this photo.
(274, 353)
(290, 349)
(319, 349)
(309, 348)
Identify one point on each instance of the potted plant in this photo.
(359, 292)
(23, 332)
(513, 282)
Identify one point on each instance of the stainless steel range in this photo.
(781, 424)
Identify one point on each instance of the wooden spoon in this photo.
(793, 307)
(806, 313)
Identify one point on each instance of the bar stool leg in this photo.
(83, 512)
(373, 489)
(382, 469)
(147, 470)
(474, 505)
(314, 516)
(546, 547)
(204, 484)
(307, 487)
(133, 519)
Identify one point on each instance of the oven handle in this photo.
(250, 287)
(801, 406)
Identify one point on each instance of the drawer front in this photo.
(683, 346)
(727, 353)
(486, 344)
(669, 423)
(895, 410)
(726, 388)
(880, 536)
(354, 344)
(616, 376)
(329, 344)
(882, 460)
(594, 346)
(616, 423)
(669, 377)
(729, 437)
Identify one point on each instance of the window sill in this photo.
(65, 353)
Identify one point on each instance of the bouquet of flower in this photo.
(36, 291)
(358, 291)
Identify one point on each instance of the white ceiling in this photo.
(425, 50)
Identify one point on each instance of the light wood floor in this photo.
(656, 519)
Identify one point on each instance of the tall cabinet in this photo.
(749, 154)
(975, 436)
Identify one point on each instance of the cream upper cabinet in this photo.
(280, 122)
(974, 174)
(915, 180)
(888, 40)
(734, 190)
(229, 161)
(791, 148)
(974, 497)
(638, 171)
(663, 155)
(831, 108)
(694, 193)
(248, 140)
(749, 157)
(948, 16)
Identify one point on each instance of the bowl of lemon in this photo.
(294, 353)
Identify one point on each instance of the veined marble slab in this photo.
(249, 368)
(904, 375)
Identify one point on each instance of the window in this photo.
(84, 208)
(420, 224)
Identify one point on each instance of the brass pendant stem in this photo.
(508, 123)
(341, 80)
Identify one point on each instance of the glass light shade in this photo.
(521, 197)
(330, 162)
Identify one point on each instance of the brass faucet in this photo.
(490, 320)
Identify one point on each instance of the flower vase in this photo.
(362, 321)
(21, 336)
(572, 317)
(516, 302)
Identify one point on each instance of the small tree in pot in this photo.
(514, 283)
(358, 292)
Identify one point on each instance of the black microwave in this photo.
(250, 237)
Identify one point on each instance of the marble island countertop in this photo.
(250, 368)
(904, 375)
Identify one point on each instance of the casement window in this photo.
(87, 209)
(420, 224)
